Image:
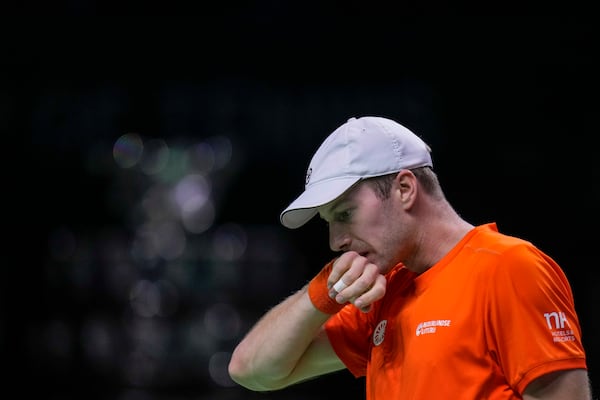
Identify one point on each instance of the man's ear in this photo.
(405, 185)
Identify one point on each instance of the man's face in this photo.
(361, 221)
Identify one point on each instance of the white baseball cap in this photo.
(361, 148)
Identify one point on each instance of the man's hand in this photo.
(354, 279)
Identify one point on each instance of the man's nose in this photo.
(339, 240)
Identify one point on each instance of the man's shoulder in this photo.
(488, 237)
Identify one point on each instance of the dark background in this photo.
(108, 295)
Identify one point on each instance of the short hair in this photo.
(426, 177)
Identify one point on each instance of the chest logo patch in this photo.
(379, 333)
(429, 327)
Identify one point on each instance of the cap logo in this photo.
(308, 174)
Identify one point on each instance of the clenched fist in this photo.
(354, 279)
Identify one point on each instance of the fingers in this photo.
(342, 264)
(339, 286)
(376, 292)
(354, 279)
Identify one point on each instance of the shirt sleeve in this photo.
(533, 328)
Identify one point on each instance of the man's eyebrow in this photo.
(337, 203)
(331, 208)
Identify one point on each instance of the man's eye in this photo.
(343, 216)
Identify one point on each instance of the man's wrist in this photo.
(318, 292)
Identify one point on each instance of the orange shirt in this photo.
(491, 316)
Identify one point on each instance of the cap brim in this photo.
(301, 210)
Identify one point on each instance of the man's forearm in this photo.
(268, 354)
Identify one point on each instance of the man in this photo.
(419, 301)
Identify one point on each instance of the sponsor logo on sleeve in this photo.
(559, 327)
